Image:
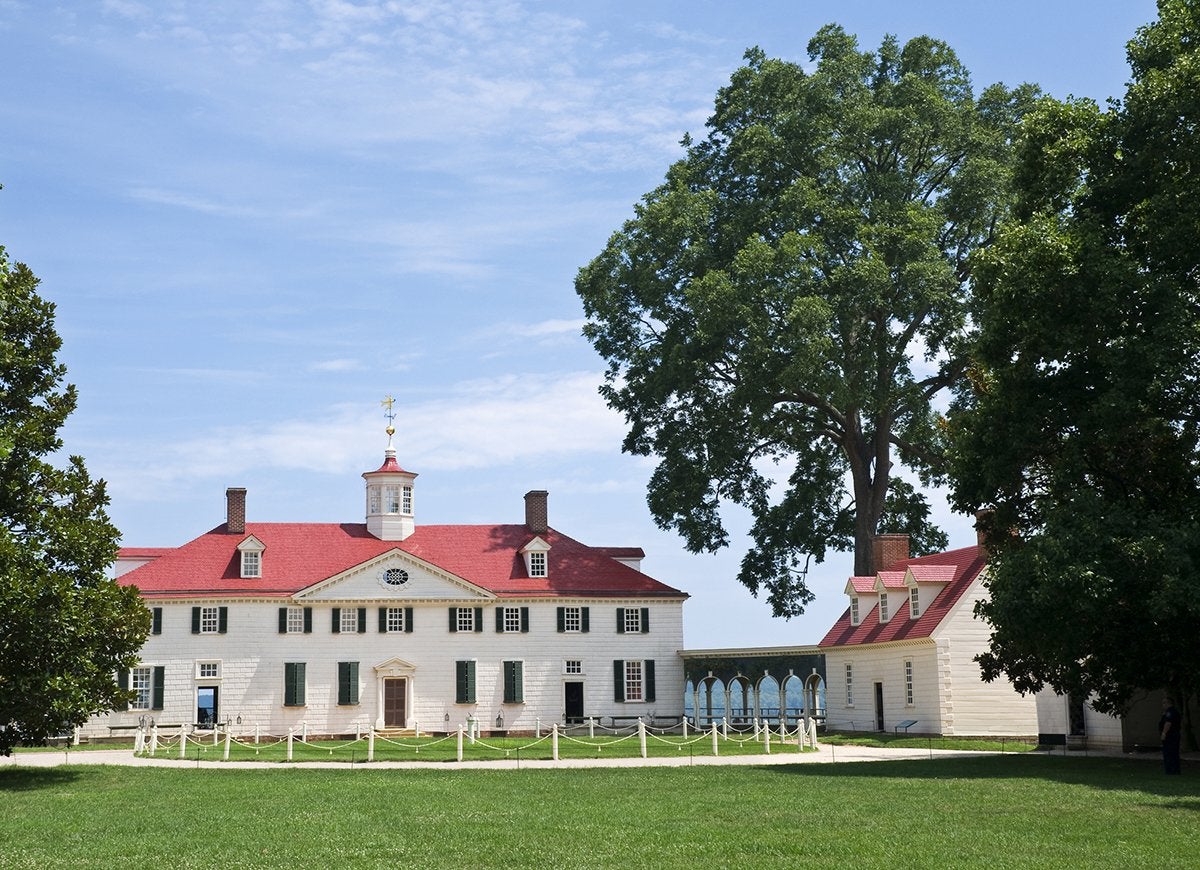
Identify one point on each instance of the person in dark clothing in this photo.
(1170, 732)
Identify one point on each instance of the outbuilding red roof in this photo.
(959, 567)
(299, 555)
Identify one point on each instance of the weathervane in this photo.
(388, 402)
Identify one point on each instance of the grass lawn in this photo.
(1017, 810)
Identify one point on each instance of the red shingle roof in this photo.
(961, 566)
(862, 584)
(298, 555)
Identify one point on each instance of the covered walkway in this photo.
(772, 685)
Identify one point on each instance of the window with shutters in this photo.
(210, 620)
(348, 621)
(512, 619)
(293, 684)
(140, 682)
(395, 619)
(514, 688)
(464, 682)
(347, 683)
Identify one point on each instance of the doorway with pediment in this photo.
(395, 680)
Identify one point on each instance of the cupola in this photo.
(390, 492)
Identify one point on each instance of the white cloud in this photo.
(336, 365)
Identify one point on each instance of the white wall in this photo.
(252, 654)
(883, 663)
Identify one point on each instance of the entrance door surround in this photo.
(394, 669)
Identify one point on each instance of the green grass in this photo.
(1016, 810)
(916, 741)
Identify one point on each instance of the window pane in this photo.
(633, 681)
(139, 682)
(209, 620)
(395, 619)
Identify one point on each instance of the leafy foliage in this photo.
(65, 628)
(1080, 427)
(765, 313)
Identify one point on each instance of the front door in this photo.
(395, 714)
(879, 706)
(573, 702)
(206, 706)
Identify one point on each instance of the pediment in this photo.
(395, 576)
(395, 667)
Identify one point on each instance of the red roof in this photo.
(299, 555)
(961, 569)
(932, 573)
(892, 579)
(142, 552)
(862, 584)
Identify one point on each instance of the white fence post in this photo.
(714, 740)
(460, 736)
(591, 727)
(256, 728)
(154, 739)
(554, 741)
(767, 740)
(290, 737)
(371, 745)
(182, 740)
(642, 736)
(228, 740)
(685, 727)
(725, 727)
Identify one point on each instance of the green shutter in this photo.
(514, 689)
(408, 620)
(336, 627)
(464, 682)
(123, 685)
(499, 619)
(560, 614)
(645, 620)
(583, 619)
(620, 620)
(156, 620)
(362, 620)
(308, 620)
(293, 684)
(383, 620)
(618, 680)
(195, 620)
(648, 679)
(525, 619)
(347, 682)
(222, 620)
(453, 619)
(158, 688)
(479, 620)
(283, 620)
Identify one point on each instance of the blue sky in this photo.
(259, 218)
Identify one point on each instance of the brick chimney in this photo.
(887, 550)
(983, 528)
(536, 517)
(235, 510)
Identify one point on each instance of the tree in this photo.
(65, 628)
(1080, 428)
(791, 300)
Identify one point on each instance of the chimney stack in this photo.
(536, 517)
(235, 510)
(887, 550)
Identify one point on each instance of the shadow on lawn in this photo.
(1116, 774)
(31, 778)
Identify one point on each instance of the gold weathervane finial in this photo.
(389, 402)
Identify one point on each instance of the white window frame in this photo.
(908, 682)
(849, 684)
(348, 620)
(512, 620)
(251, 564)
(854, 618)
(537, 564)
(884, 615)
(635, 686)
(214, 668)
(210, 620)
(374, 499)
(141, 682)
(914, 602)
(295, 620)
(633, 620)
(572, 620)
(395, 620)
(406, 500)
(573, 667)
(466, 618)
(391, 499)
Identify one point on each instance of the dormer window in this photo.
(884, 616)
(914, 603)
(251, 551)
(537, 562)
(854, 619)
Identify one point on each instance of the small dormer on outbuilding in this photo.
(251, 556)
(390, 514)
(889, 586)
(537, 558)
(924, 582)
(862, 597)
